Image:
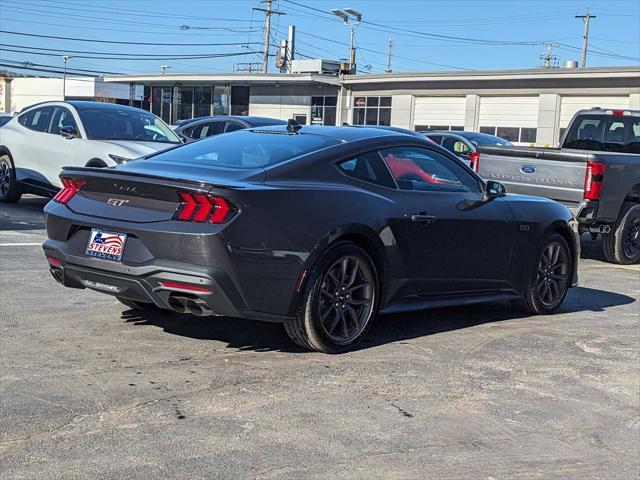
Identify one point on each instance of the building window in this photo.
(372, 110)
(513, 134)
(508, 133)
(323, 110)
(528, 135)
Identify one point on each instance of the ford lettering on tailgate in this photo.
(107, 245)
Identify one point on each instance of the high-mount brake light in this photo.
(69, 189)
(202, 208)
(617, 113)
(593, 180)
(474, 158)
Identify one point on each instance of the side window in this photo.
(211, 128)
(455, 146)
(37, 119)
(61, 118)
(421, 169)
(368, 167)
(436, 138)
(233, 126)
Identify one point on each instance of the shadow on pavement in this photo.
(23, 215)
(261, 336)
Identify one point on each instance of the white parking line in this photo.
(20, 244)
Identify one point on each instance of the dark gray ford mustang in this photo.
(319, 228)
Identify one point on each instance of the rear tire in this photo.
(551, 277)
(9, 188)
(339, 302)
(622, 244)
(135, 305)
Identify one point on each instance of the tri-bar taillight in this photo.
(474, 159)
(69, 189)
(593, 180)
(203, 208)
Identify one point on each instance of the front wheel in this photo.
(339, 302)
(622, 244)
(9, 188)
(550, 282)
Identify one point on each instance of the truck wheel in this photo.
(9, 188)
(339, 303)
(622, 245)
(550, 281)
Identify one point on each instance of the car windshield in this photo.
(246, 149)
(485, 140)
(607, 133)
(125, 124)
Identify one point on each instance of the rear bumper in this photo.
(144, 283)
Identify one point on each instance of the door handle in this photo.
(424, 219)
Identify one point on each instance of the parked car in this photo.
(391, 129)
(4, 118)
(43, 138)
(319, 228)
(208, 126)
(595, 172)
(465, 144)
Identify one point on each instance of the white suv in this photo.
(35, 145)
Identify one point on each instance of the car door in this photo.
(458, 242)
(31, 145)
(62, 151)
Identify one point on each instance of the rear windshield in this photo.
(245, 149)
(114, 123)
(607, 133)
(485, 140)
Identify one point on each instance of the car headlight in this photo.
(118, 159)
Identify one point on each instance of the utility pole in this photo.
(267, 31)
(585, 18)
(550, 60)
(65, 59)
(389, 54)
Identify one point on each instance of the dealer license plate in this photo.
(107, 245)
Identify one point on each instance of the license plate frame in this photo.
(110, 245)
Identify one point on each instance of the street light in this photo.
(346, 14)
(164, 67)
(65, 59)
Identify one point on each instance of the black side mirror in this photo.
(68, 131)
(494, 190)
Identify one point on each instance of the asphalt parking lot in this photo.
(89, 389)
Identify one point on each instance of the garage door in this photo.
(439, 113)
(569, 105)
(512, 118)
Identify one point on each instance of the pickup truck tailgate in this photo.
(545, 172)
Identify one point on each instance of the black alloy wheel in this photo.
(338, 303)
(9, 188)
(553, 274)
(346, 299)
(550, 278)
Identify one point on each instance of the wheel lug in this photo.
(337, 304)
(343, 289)
(347, 295)
(344, 306)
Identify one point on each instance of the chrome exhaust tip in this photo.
(198, 307)
(178, 304)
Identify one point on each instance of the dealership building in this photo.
(524, 106)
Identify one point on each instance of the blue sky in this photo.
(428, 35)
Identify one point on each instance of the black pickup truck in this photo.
(595, 172)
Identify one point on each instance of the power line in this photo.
(119, 42)
(97, 57)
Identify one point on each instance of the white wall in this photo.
(508, 111)
(27, 91)
(569, 105)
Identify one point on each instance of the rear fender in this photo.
(361, 235)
